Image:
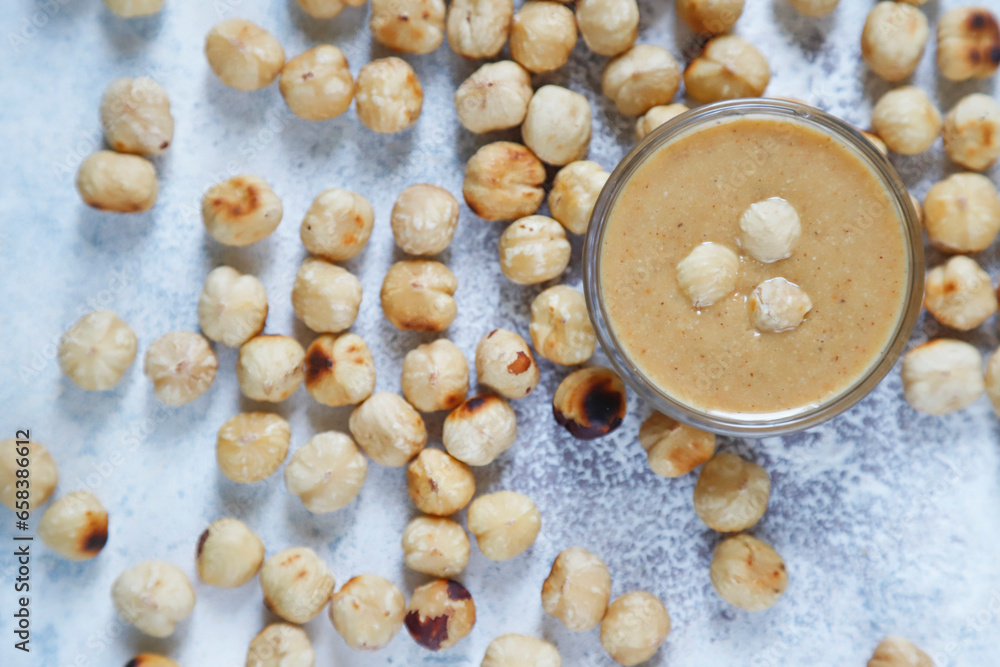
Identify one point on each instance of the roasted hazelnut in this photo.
(296, 583)
(656, 117)
(110, 181)
(128, 9)
(505, 523)
(75, 526)
(542, 35)
(634, 628)
(435, 546)
(968, 43)
(337, 225)
(150, 660)
(388, 95)
(435, 376)
(713, 17)
(503, 181)
(748, 573)
(181, 365)
(417, 295)
(577, 589)
(325, 296)
(153, 596)
(424, 219)
(42, 474)
(243, 55)
(641, 78)
(340, 370)
(326, 473)
(504, 363)
(972, 132)
(942, 376)
(281, 645)
(729, 67)
(479, 28)
(135, 115)
(560, 326)
(906, 120)
(494, 97)
(252, 445)
(229, 554)
(893, 39)
(674, 449)
(513, 650)
(608, 27)
(959, 294)
(899, 652)
(962, 213)
(480, 429)
(557, 126)
(317, 84)
(388, 429)
(327, 9)
(574, 193)
(368, 612)
(269, 368)
(533, 249)
(731, 494)
(241, 211)
(232, 307)
(97, 350)
(590, 402)
(441, 613)
(416, 26)
(438, 483)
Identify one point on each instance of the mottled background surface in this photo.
(889, 521)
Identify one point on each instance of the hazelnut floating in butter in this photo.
(708, 274)
(769, 230)
(777, 305)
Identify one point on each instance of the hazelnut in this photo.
(340, 370)
(608, 27)
(728, 68)
(712, 17)
(326, 473)
(153, 596)
(128, 9)
(337, 225)
(388, 429)
(479, 28)
(181, 365)
(769, 230)
(75, 526)
(114, 182)
(269, 368)
(942, 376)
(641, 78)
(97, 350)
(503, 181)
(42, 474)
(635, 627)
(819, 8)
(992, 385)
(368, 611)
(424, 219)
(317, 84)
(748, 573)
(893, 39)
(326, 297)
(731, 494)
(243, 55)
(876, 142)
(327, 9)
(281, 645)
(252, 445)
(150, 660)
(417, 295)
(494, 97)
(479, 430)
(959, 294)
(296, 583)
(656, 117)
(229, 554)
(962, 213)
(241, 211)
(674, 449)
(542, 35)
(232, 307)
(435, 376)
(577, 589)
(574, 194)
(438, 483)
(135, 115)
(513, 650)
(560, 326)
(777, 305)
(557, 126)
(435, 546)
(899, 652)
(505, 364)
(534, 249)
(388, 95)
(906, 120)
(441, 613)
(968, 43)
(590, 402)
(708, 274)
(505, 523)
(972, 132)
(416, 26)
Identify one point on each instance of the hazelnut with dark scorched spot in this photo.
(480, 429)
(339, 370)
(440, 614)
(75, 526)
(590, 402)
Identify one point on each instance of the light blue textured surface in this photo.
(889, 521)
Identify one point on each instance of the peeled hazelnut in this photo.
(542, 35)
(819, 8)
(968, 43)
(337, 225)
(252, 445)
(641, 78)
(574, 194)
(43, 474)
(959, 294)
(899, 652)
(513, 650)
(505, 524)
(732, 493)
(340, 370)
(281, 645)
(577, 589)
(388, 95)
(503, 181)
(708, 274)
(128, 9)
(327, 9)
(326, 473)
(417, 295)
(435, 546)
(368, 612)
(769, 230)
(135, 115)
(181, 365)
(325, 296)
(269, 368)
(75, 526)
(635, 627)
(296, 584)
(972, 132)
(730, 67)
(748, 573)
(494, 97)
(424, 219)
(388, 429)
(875, 141)
(479, 28)
(962, 213)
(505, 364)
(153, 596)
(777, 305)
(992, 381)
(110, 181)
(674, 449)
(435, 376)
(560, 326)
(416, 26)
(656, 117)
(608, 27)
(441, 613)
(713, 17)
(438, 483)
(317, 84)
(557, 126)
(243, 55)
(241, 211)
(232, 307)
(229, 554)
(480, 429)
(590, 402)
(893, 39)
(533, 250)
(97, 350)
(942, 376)
(906, 120)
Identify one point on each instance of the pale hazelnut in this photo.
(590, 402)
(819, 8)
(128, 9)
(480, 429)
(388, 429)
(269, 368)
(243, 55)
(388, 95)
(327, 9)
(542, 35)
(729, 67)
(769, 230)
(635, 627)
(708, 274)
(504, 363)
(513, 650)
(503, 181)
(712, 17)
(424, 219)
(232, 307)
(968, 43)
(416, 26)
(534, 249)
(75, 526)
(972, 132)
(417, 295)
(337, 225)
(339, 370)
(494, 97)
(732, 493)
(574, 193)
(435, 376)
(557, 126)
(438, 483)
(135, 115)
(326, 473)
(296, 584)
(181, 365)
(325, 296)
(893, 39)
(317, 84)
(777, 305)
(577, 589)
(441, 613)
(942, 376)
(97, 350)
(641, 78)
(560, 326)
(281, 645)
(748, 573)
(153, 596)
(906, 120)
(656, 117)
(435, 546)
(505, 523)
(229, 554)
(251, 446)
(367, 612)
(608, 27)
(674, 449)
(241, 211)
(110, 181)
(959, 294)
(479, 28)
(962, 213)
(42, 474)
(896, 651)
